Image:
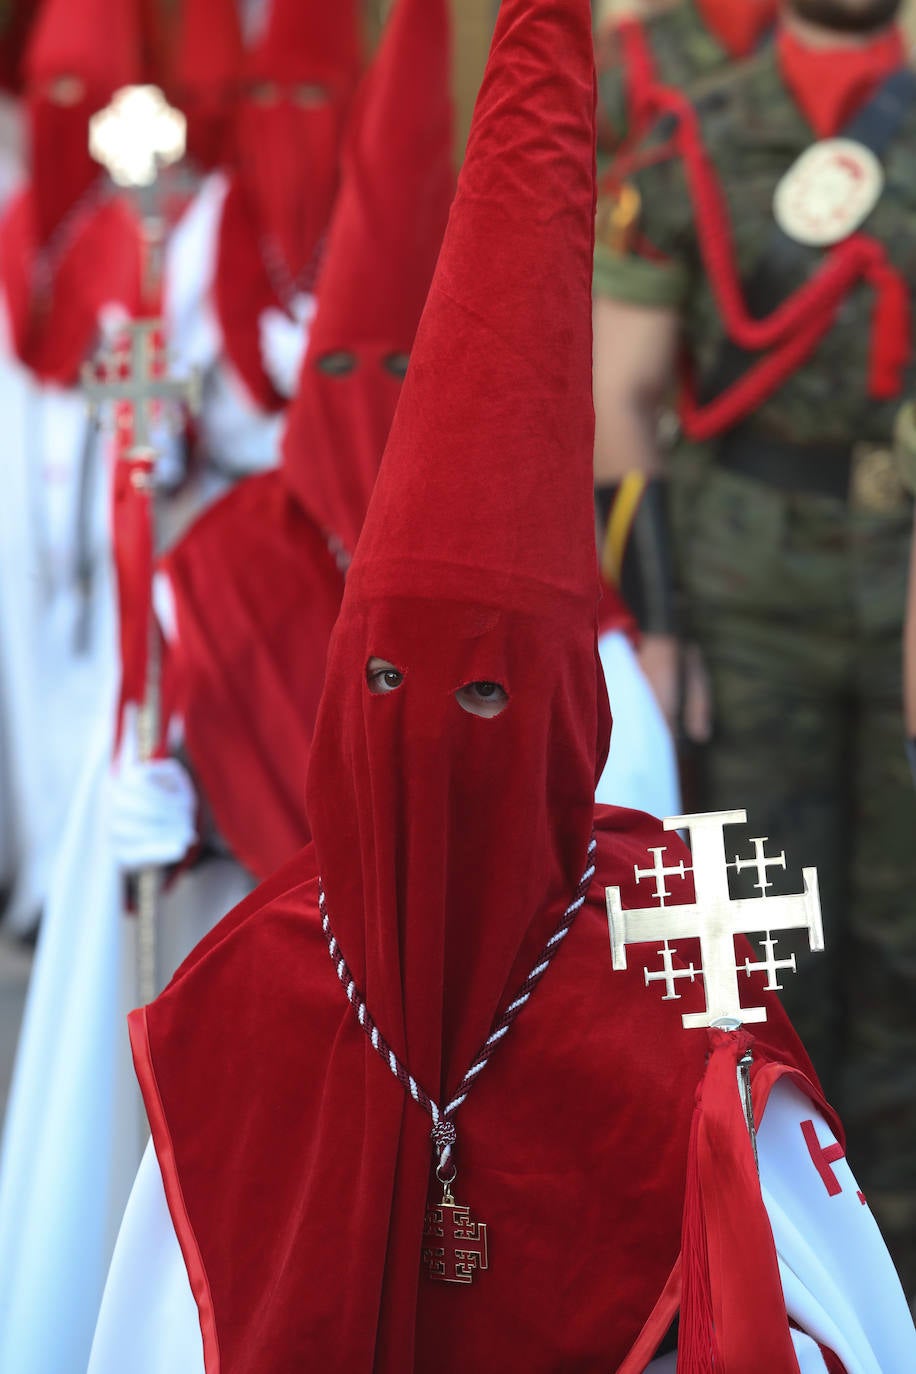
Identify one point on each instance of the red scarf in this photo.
(739, 25)
(830, 84)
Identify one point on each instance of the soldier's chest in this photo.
(754, 160)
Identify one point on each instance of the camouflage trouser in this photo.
(797, 602)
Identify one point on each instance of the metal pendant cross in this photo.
(715, 918)
(454, 1246)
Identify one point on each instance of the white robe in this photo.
(235, 434)
(51, 685)
(641, 771)
(74, 1128)
(839, 1284)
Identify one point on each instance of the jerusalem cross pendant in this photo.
(454, 1246)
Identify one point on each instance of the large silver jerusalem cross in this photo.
(715, 918)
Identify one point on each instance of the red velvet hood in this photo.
(64, 254)
(397, 187)
(206, 77)
(289, 125)
(446, 841)
(256, 587)
(297, 1168)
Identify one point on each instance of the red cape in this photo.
(257, 594)
(297, 1172)
(102, 266)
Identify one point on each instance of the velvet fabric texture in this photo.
(257, 590)
(55, 327)
(92, 39)
(206, 77)
(396, 191)
(288, 142)
(257, 593)
(297, 1170)
(296, 1167)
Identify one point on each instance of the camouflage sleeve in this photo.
(905, 446)
(645, 244)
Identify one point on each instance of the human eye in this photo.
(482, 698)
(383, 677)
(396, 364)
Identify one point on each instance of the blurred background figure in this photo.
(70, 267)
(243, 264)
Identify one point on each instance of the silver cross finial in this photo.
(715, 918)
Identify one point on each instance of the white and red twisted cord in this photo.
(444, 1134)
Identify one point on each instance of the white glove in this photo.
(284, 343)
(152, 807)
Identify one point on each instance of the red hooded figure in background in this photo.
(71, 263)
(298, 84)
(457, 872)
(67, 247)
(258, 580)
(206, 77)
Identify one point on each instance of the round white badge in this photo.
(829, 192)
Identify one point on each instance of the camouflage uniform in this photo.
(797, 601)
(683, 50)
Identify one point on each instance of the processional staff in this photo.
(133, 138)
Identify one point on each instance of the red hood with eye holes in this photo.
(297, 1168)
(258, 580)
(398, 184)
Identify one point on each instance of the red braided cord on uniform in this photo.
(638, 64)
(797, 325)
(704, 422)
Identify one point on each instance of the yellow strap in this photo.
(623, 513)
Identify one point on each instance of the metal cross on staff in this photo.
(137, 380)
(715, 918)
(136, 135)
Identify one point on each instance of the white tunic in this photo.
(57, 646)
(839, 1283)
(74, 1128)
(236, 435)
(641, 770)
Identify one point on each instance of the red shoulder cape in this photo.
(257, 594)
(297, 1172)
(102, 266)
